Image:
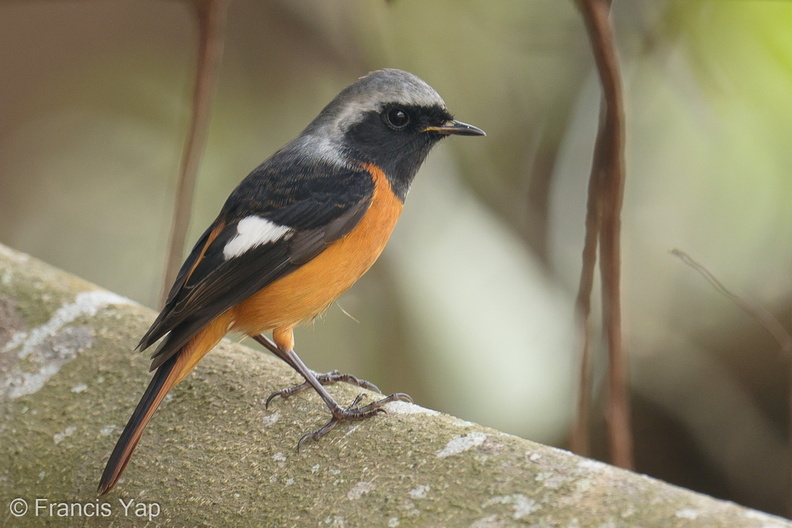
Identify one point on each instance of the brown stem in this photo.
(211, 15)
(607, 187)
(580, 442)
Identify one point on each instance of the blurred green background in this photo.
(470, 309)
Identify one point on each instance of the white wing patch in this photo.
(253, 231)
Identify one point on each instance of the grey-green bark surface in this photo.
(213, 456)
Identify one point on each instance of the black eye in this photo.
(396, 118)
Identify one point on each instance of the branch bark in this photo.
(213, 456)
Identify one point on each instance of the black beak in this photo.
(457, 128)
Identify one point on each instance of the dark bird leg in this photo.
(317, 381)
(327, 378)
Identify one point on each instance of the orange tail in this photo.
(167, 375)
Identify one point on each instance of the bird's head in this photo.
(389, 118)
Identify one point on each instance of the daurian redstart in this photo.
(293, 236)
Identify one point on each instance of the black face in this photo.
(395, 140)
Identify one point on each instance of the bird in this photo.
(294, 235)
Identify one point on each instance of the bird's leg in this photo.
(327, 378)
(339, 414)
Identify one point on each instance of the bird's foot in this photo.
(352, 413)
(328, 378)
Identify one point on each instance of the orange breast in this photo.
(309, 290)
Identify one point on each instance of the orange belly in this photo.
(310, 289)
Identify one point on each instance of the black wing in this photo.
(319, 203)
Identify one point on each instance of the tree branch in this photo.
(213, 456)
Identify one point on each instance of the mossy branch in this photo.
(213, 456)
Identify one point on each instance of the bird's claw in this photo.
(352, 413)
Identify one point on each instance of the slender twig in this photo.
(211, 15)
(759, 313)
(606, 191)
(766, 320)
(580, 441)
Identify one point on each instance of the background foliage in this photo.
(470, 308)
